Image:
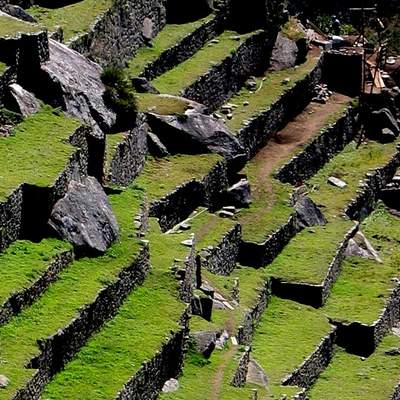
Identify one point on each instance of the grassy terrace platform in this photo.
(284, 340)
(168, 37)
(189, 71)
(350, 377)
(40, 140)
(162, 176)
(10, 26)
(3, 68)
(23, 262)
(364, 285)
(270, 207)
(77, 285)
(269, 89)
(74, 18)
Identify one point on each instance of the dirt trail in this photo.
(219, 375)
(295, 134)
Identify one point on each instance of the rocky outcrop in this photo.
(284, 54)
(76, 86)
(195, 133)
(84, 216)
(23, 101)
(308, 214)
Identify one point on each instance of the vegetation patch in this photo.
(10, 27)
(41, 140)
(350, 377)
(189, 71)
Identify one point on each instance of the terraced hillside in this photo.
(189, 210)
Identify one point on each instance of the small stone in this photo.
(234, 341)
(246, 103)
(229, 116)
(226, 214)
(231, 209)
(393, 352)
(4, 381)
(337, 182)
(185, 226)
(172, 385)
(236, 37)
(187, 243)
(286, 81)
(221, 340)
(214, 41)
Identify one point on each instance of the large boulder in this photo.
(84, 217)
(22, 101)
(71, 81)
(285, 53)
(239, 194)
(195, 133)
(205, 342)
(308, 214)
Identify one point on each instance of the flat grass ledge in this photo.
(37, 152)
(287, 335)
(298, 263)
(364, 285)
(76, 286)
(75, 19)
(168, 37)
(10, 27)
(189, 71)
(350, 377)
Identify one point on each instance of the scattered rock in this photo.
(240, 194)
(256, 374)
(321, 94)
(234, 341)
(205, 342)
(187, 243)
(246, 103)
(218, 305)
(222, 339)
(251, 85)
(337, 182)
(393, 352)
(148, 29)
(24, 102)
(184, 226)
(231, 209)
(171, 385)
(286, 81)
(308, 214)
(360, 246)
(84, 216)
(4, 381)
(226, 214)
(156, 148)
(142, 85)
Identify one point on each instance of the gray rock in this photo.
(387, 135)
(384, 118)
(354, 250)
(171, 385)
(156, 148)
(195, 133)
(184, 226)
(308, 214)
(4, 381)
(337, 182)
(142, 85)
(18, 12)
(222, 339)
(187, 243)
(226, 214)
(26, 103)
(256, 374)
(75, 83)
(284, 54)
(84, 216)
(360, 246)
(393, 352)
(240, 194)
(218, 305)
(148, 29)
(205, 342)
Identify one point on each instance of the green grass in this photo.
(350, 377)
(363, 286)
(168, 37)
(37, 152)
(351, 165)
(292, 31)
(288, 333)
(189, 71)
(75, 18)
(160, 177)
(77, 285)
(24, 262)
(298, 262)
(3, 67)
(161, 104)
(269, 91)
(11, 26)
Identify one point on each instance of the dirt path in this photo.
(219, 375)
(295, 134)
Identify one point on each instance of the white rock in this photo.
(4, 381)
(172, 385)
(337, 182)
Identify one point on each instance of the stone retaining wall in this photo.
(307, 373)
(117, 34)
(221, 81)
(215, 184)
(240, 377)
(185, 48)
(252, 317)
(6, 78)
(222, 258)
(58, 349)
(363, 339)
(370, 188)
(314, 295)
(19, 300)
(320, 150)
(258, 255)
(267, 123)
(129, 156)
(166, 364)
